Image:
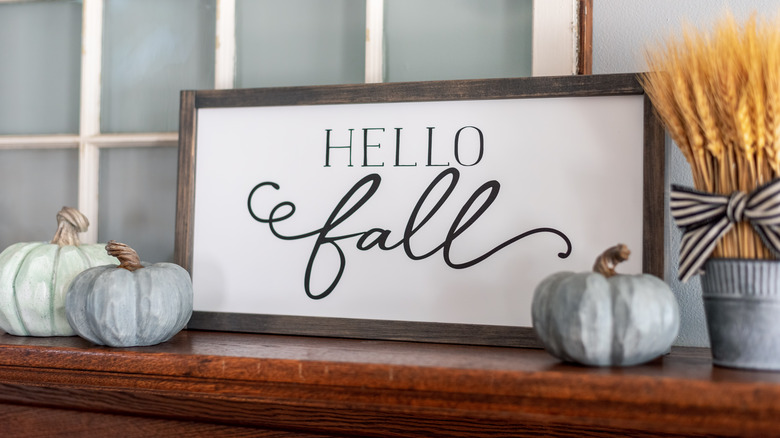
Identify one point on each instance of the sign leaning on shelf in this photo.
(424, 211)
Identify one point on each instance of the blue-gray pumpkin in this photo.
(602, 318)
(132, 304)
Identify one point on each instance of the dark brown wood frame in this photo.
(482, 89)
(585, 38)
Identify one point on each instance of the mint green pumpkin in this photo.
(34, 278)
(130, 305)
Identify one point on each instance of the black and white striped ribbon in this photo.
(705, 217)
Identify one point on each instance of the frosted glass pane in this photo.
(153, 49)
(40, 45)
(138, 200)
(457, 39)
(34, 186)
(299, 42)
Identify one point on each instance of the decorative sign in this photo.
(382, 211)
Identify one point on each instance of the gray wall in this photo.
(621, 31)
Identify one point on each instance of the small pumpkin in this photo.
(130, 305)
(34, 277)
(602, 318)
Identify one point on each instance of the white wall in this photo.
(621, 31)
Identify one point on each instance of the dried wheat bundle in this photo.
(718, 94)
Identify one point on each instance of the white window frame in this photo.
(554, 53)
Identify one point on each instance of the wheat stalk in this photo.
(718, 94)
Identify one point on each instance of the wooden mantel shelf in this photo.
(226, 384)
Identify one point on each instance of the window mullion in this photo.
(136, 140)
(225, 56)
(375, 41)
(89, 122)
(39, 141)
(555, 37)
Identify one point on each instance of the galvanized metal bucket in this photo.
(742, 306)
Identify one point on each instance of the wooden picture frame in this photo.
(653, 207)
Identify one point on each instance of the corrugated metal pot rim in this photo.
(742, 307)
(742, 277)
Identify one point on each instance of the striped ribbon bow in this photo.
(705, 217)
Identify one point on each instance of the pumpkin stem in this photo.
(609, 259)
(70, 222)
(127, 256)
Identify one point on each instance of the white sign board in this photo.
(432, 211)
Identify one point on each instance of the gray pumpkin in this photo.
(129, 305)
(602, 318)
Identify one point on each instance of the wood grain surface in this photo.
(228, 384)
